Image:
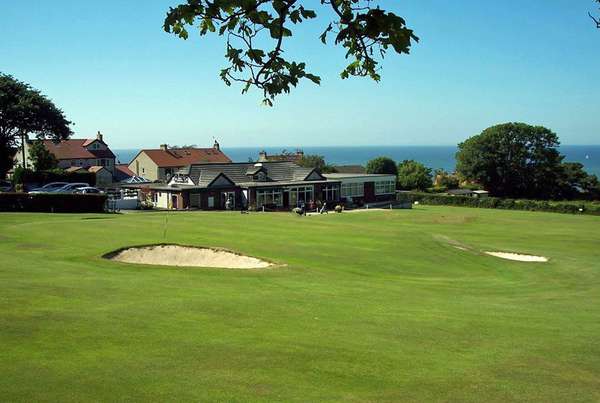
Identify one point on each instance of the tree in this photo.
(574, 182)
(41, 158)
(7, 154)
(414, 175)
(317, 162)
(382, 165)
(445, 179)
(24, 110)
(365, 31)
(512, 160)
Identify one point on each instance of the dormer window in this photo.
(260, 177)
(257, 173)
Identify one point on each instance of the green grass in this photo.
(375, 306)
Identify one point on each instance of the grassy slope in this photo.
(372, 306)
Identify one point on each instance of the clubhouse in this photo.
(266, 185)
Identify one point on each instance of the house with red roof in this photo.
(162, 163)
(84, 153)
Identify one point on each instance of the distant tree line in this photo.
(514, 160)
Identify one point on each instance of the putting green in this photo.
(369, 307)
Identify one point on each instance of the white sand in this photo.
(518, 257)
(174, 255)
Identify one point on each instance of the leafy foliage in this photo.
(567, 207)
(522, 161)
(574, 182)
(7, 153)
(595, 19)
(41, 158)
(316, 161)
(512, 160)
(382, 165)
(25, 110)
(365, 31)
(414, 175)
(445, 179)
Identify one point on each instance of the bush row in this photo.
(53, 202)
(568, 207)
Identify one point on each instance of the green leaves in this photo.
(24, 110)
(512, 160)
(361, 28)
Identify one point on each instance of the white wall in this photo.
(162, 199)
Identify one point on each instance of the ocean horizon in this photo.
(432, 156)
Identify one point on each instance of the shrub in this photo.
(382, 165)
(414, 175)
(53, 202)
(568, 207)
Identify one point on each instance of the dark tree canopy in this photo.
(414, 175)
(41, 158)
(382, 165)
(256, 32)
(521, 161)
(315, 161)
(445, 179)
(24, 110)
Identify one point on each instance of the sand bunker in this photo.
(518, 257)
(176, 255)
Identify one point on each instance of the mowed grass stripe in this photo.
(370, 306)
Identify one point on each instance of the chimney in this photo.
(99, 136)
(216, 146)
(164, 147)
(262, 156)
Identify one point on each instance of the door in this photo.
(228, 199)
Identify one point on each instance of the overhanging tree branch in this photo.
(363, 30)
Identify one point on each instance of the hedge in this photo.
(53, 202)
(567, 207)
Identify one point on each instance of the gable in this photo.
(221, 181)
(314, 176)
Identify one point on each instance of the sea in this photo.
(432, 156)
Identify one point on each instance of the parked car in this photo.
(5, 186)
(88, 190)
(71, 187)
(50, 187)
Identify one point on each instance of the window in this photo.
(385, 187)
(353, 189)
(331, 193)
(180, 179)
(269, 196)
(300, 194)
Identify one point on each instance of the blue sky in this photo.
(110, 67)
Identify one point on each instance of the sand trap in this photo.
(176, 255)
(518, 257)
